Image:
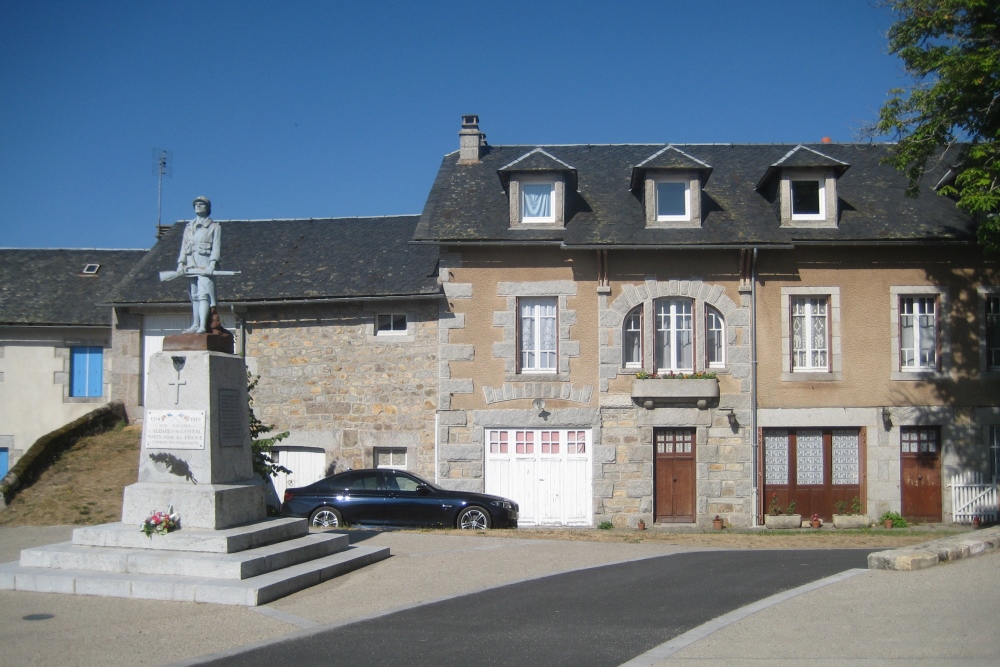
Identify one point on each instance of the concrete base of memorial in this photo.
(247, 565)
(195, 458)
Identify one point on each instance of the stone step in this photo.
(241, 565)
(227, 540)
(249, 592)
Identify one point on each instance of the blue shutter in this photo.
(4, 461)
(87, 371)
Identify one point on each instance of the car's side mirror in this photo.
(423, 489)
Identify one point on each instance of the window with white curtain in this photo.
(918, 333)
(810, 334)
(674, 335)
(538, 334)
(538, 202)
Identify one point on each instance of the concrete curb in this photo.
(929, 554)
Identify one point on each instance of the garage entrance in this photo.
(547, 471)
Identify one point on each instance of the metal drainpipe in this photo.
(754, 495)
(437, 470)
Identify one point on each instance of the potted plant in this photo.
(675, 387)
(778, 518)
(815, 521)
(718, 523)
(844, 517)
(893, 520)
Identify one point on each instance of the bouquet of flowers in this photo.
(161, 522)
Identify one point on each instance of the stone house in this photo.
(844, 338)
(337, 317)
(54, 339)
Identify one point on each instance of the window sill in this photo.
(674, 224)
(84, 399)
(918, 375)
(818, 376)
(536, 377)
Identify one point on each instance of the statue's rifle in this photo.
(193, 273)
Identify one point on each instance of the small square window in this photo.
(808, 200)
(91, 269)
(537, 201)
(673, 200)
(390, 457)
(390, 324)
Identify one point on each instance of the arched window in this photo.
(715, 338)
(632, 339)
(674, 335)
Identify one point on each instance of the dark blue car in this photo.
(385, 497)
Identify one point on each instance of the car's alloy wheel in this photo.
(326, 517)
(473, 518)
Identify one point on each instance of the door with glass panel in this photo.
(674, 475)
(816, 468)
(920, 464)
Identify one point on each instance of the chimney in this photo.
(826, 140)
(470, 140)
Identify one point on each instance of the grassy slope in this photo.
(83, 486)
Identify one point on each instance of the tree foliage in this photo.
(951, 50)
(264, 463)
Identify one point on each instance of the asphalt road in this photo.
(599, 616)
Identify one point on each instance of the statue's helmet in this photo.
(205, 200)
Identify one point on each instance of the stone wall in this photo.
(326, 377)
(126, 361)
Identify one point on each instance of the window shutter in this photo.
(937, 333)
(95, 375)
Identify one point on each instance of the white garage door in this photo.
(547, 471)
(307, 465)
(156, 326)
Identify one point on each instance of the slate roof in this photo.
(48, 287)
(467, 203)
(279, 260)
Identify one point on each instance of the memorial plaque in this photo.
(231, 418)
(174, 429)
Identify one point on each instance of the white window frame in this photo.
(913, 309)
(540, 307)
(720, 332)
(632, 327)
(684, 217)
(524, 183)
(392, 330)
(943, 343)
(834, 360)
(821, 215)
(392, 452)
(671, 324)
(990, 357)
(810, 316)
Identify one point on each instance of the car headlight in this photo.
(503, 504)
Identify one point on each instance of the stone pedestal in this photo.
(195, 453)
(195, 457)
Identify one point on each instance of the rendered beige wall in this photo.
(34, 396)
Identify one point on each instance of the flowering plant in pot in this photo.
(815, 521)
(718, 523)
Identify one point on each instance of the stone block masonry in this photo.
(323, 369)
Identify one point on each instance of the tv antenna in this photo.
(161, 167)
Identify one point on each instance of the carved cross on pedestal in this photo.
(178, 384)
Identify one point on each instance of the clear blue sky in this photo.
(328, 109)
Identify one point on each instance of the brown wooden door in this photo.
(920, 465)
(674, 475)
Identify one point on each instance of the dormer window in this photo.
(808, 198)
(804, 182)
(671, 182)
(538, 201)
(536, 184)
(673, 200)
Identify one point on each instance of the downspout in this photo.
(437, 469)
(755, 492)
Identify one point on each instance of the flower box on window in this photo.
(678, 387)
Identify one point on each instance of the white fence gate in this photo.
(972, 496)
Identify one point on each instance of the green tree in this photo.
(951, 50)
(264, 463)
